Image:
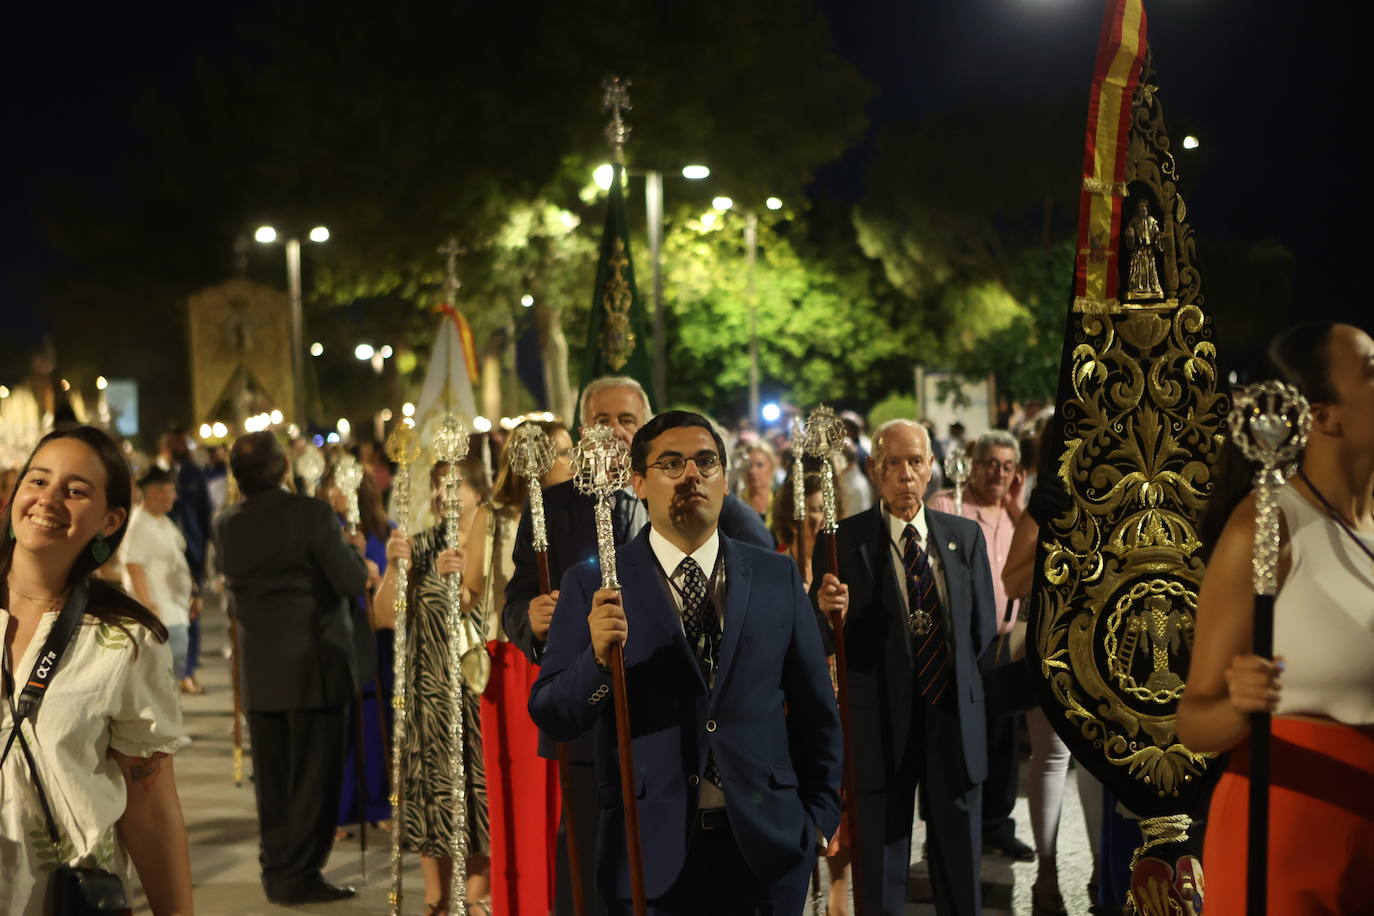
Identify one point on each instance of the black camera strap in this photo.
(54, 647)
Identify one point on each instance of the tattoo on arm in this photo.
(144, 771)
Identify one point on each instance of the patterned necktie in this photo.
(931, 655)
(702, 627)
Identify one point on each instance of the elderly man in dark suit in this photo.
(916, 593)
(736, 735)
(620, 403)
(293, 578)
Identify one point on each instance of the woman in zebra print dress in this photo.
(430, 818)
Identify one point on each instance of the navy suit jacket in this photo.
(878, 642)
(570, 520)
(771, 719)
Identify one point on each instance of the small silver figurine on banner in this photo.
(957, 465)
(601, 467)
(450, 446)
(402, 447)
(1269, 423)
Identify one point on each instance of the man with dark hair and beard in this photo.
(292, 577)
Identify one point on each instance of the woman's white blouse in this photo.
(111, 691)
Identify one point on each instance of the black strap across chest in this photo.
(54, 647)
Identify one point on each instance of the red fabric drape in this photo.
(522, 790)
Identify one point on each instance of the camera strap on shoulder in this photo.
(54, 647)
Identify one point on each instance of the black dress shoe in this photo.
(1010, 847)
(321, 892)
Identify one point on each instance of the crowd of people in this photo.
(724, 612)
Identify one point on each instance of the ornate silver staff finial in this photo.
(531, 454)
(958, 465)
(402, 447)
(1269, 422)
(824, 439)
(616, 100)
(798, 477)
(348, 476)
(450, 446)
(600, 466)
(450, 250)
(310, 469)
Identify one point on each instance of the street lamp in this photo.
(267, 235)
(1191, 142)
(721, 203)
(773, 203)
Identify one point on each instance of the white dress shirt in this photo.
(669, 557)
(896, 529)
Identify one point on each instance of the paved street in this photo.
(222, 824)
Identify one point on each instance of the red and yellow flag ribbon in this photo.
(1121, 52)
(464, 336)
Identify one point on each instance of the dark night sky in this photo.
(1267, 86)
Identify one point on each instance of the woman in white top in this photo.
(102, 737)
(1320, 685)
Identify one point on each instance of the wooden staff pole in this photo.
(851, 800)
(236, 678)
(565, 780)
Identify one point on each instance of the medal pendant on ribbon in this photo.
(920, 621)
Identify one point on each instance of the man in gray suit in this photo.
(915, 592)
(292, 577)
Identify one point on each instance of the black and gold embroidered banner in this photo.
(1139, 422)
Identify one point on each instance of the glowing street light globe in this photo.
(363, 352)
(319, 234)
(317, 349)
(266, 235)
(773, 203)
(603, 175)
(695, 172)
(1191, 142)
(771, 413)
(722, 203)
(527, 300)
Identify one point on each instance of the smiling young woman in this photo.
(103, 736)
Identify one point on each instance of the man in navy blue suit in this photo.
(915, 591)
(736, 734)
(620, 403)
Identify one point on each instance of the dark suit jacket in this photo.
(294, 582)
(191, 512)
(770, 720)
(878, 642)
(570, 520)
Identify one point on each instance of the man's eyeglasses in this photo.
(1006, 467)
(674, 466)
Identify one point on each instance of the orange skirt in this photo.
(1321, 823)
